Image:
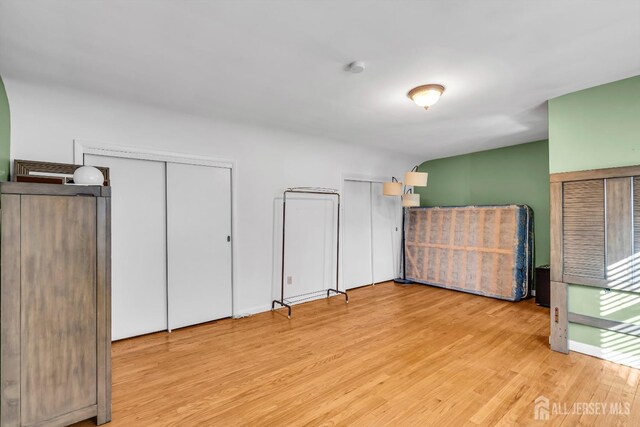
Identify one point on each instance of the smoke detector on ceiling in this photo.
(355, 67)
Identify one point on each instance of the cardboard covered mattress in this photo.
(484, 250)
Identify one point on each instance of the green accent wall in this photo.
(592, 129)
(518, 174)
(595, 128)
(5, 134)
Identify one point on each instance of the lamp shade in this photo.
(410, 200)
(416, 179)
(392, 188)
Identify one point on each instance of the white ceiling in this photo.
(280, 63)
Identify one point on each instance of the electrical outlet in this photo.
(289, 280)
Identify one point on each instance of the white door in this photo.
(138, 245)
(356, 258)
(199, 246)
(385, 225)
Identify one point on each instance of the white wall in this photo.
(310, 258)
(46, 120)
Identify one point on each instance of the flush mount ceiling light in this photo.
(426, 95)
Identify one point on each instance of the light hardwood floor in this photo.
(394, 355)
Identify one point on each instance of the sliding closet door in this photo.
(198, 236)
(385, 216)
(138, 242)
(357, 268)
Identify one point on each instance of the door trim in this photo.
(82, 147)
(365, 178)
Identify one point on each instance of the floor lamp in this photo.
(412, 179)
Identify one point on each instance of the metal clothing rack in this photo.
(287, 302)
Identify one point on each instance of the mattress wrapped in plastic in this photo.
(484, 250)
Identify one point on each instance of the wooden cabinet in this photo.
(55, 304)
(595, 239)
(594, 236)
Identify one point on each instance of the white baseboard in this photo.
(250, 311)
(246, 312)
(611, 355)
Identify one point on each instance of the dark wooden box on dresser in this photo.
(55, 276)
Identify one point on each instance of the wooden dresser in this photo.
(55, 268)
(595, 241)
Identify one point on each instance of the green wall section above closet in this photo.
(4, 133)
(512, 175)
(595, 128)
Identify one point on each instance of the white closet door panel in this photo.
(357, 269)
(385, 216)
(199, 256)
(138, 240)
